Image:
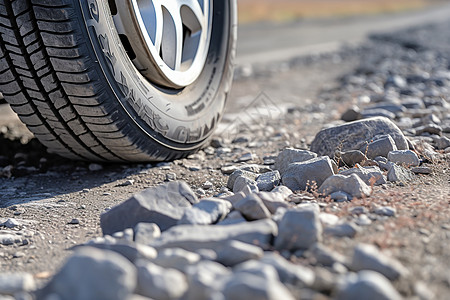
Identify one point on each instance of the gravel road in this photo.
(369, 221)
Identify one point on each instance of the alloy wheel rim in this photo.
(169, 39)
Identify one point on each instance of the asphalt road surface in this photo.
(263, 42)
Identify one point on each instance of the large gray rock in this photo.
(300, 228)
(164, 205)
(370, 175)
(14, 283)
(352, 185)
(235, 252)
(160, 283)
(252, 208)
(234, 197)
(367, 285)
(299, 175)
(146, 232)
(242, 183)
(381, 146)
(406, 158)
(258, 268)
(175, 258)
(194, 237)
(240, 173)
(352, 136)
(326, 256)
(273, 201)
(102, 274)
(283, 191)
(399, 174)
(233, 217)
(345, 229)
(368, 257)
(206, 212)
(442, 143)
(289, 273)
(206, 279)
(288, 156)
(130, 251)
(249, 286)
(353, 157)
(268, 181)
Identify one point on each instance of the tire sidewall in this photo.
(178, 119)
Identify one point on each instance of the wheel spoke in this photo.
(174, 37)
(198, 13)
(159, 24)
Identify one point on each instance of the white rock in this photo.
(326, 256)
(146, 232)
(193, 237)
(206, 279)
(370, 175)
(6, 239)
(11, 223)
(368, 257)
(351, 136)
(14, 283)
(289, 273)
(404, 157)
(160, 283)
(346, 229)
(399, 174)
(252, 208)
(379, 147)
(273, 201)
(240, 173)
(283, 190)
(298, 176)
(175, 258)
(248, 286)
(268, 181)
(288, 156)
(328, 219)
(102, 274)
(386, 211)
(235, 252)
(352, 185)
(242, 182)
(164, 205)
(367, 285)
(206, 212)
(340, 196)
(300, 228)
(234, 217)
(258, 268)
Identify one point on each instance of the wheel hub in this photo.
(169, 39)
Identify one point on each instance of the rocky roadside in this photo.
(359, 209)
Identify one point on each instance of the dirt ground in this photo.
(58, 202)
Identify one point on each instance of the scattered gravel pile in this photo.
(264, 234)
(246, 245)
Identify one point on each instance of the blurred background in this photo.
(288, 10)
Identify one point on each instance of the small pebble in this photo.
(207, 185)
(127, 183)
(74, 222)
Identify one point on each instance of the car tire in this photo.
(75, 73)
